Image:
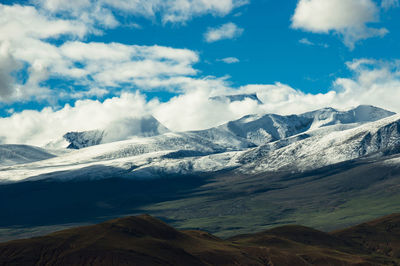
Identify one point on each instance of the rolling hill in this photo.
(144, 240)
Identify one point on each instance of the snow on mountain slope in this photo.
(360, 114)
(139, 155)
(318, 150)
(290, 143)
(18, 154)
(228, 140)
(146, 126)
(249, 131)
(269, 128)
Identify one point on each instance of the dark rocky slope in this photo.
(144, 240)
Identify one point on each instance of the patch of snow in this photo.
(18, 154)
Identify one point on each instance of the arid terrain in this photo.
(144, 240)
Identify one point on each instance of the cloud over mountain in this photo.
(47, 58)
(373, 82)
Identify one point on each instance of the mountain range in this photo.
(327, 169)
(252, 144)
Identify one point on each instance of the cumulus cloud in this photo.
(17, 22)
(373, 82)
(225, 31)
(195, 111)
(349, 19)
(8, 64)
(229, 60)
(98, 67)
(49, 125)
(115, 64)
(93, 65)
(89, 12)
(23, 40)
(25, 49)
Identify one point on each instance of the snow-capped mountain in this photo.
(260, 130)
(236, 98)
(249, 131)
(19, 154)
(378, 138)
(361, 114)
(252, 144)
(146, 126)
(78, 140)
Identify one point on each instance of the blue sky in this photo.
(269, 49)
(296, 52)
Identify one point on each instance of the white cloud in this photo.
(25, 49)
(24, 32)
(174, 11)
(42, 127)
(17, 22)
(374, 82)
(183, 10)
(229, 60)
(8, 64)
(225, 31)
(346, 18)
(94, 65)
(387, 4)
(101, 67)
(114, 64)
(306, 42)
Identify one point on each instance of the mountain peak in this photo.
(122, 129)
(361, 114)
(368, 113)
(237, 98)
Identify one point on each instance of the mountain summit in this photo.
(237, 98)
(146, 126)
